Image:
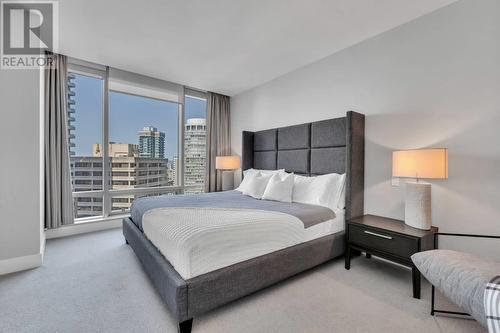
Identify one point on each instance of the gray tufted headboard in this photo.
(334, 145)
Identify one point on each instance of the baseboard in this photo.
(82, 228)
(20, 263)
(42, 244)
(35, 260)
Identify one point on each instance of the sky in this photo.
(128, 114)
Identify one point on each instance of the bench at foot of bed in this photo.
(185, 326)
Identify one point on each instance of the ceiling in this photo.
(225, 46)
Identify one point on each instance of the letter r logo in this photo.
(27, 27)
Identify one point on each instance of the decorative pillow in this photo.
(257, 185)
(324, 190)
(279, 188)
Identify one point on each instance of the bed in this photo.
(194, 278)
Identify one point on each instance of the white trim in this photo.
(41, 147)
(42, 245)
(141, 85)
(82, 228)
(135, 90)
(20, 263)
(98, 219)
(85, 71)
(86, 65)
(195, 93)
(86, 68)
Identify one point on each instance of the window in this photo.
(120, 174)
(195, 142)
(131, 146)
(143, 142)
(83, 173)
(85, 112)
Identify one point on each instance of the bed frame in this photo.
(334, 145)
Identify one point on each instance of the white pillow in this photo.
(310, 190)
(324, 190)
(337, 192)
(246, 181)
(257, 185)
(279, 188)
(264, 172)
(341, 201)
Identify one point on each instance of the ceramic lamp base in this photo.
(418, 205)
(227, 180)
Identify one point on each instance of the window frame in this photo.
(107, 193)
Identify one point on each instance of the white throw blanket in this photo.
(200, 240)
(492, 305)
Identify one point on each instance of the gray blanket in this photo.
(308, 214)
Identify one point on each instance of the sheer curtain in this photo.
(58, 192)
(218, 137)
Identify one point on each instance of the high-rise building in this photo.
(71, 114)
(171, 172)
(195, 136)
(117, 150)
(151, 143)
(175, 168)
(127, 171)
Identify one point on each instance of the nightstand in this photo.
(389, 239)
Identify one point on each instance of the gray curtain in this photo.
(58, 196)
(218, 138)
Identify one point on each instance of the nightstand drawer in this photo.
(383, 241)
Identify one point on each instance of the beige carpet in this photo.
(94, 283)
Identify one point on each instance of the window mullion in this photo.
(106, 200)
(180, 145)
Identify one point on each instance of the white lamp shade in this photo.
(227, 162)
(420, 163)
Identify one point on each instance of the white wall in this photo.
(20, 235)
(434, 82)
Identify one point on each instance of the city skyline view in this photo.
(128, 115)
(143, 144)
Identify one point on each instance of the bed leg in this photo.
(185, 326)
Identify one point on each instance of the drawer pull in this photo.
(378, 235)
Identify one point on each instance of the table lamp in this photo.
(429, 163)
(227, 164)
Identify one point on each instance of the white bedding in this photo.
(200, 240)
(328, 227)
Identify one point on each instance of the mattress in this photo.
(200, 240)
(308, 214)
